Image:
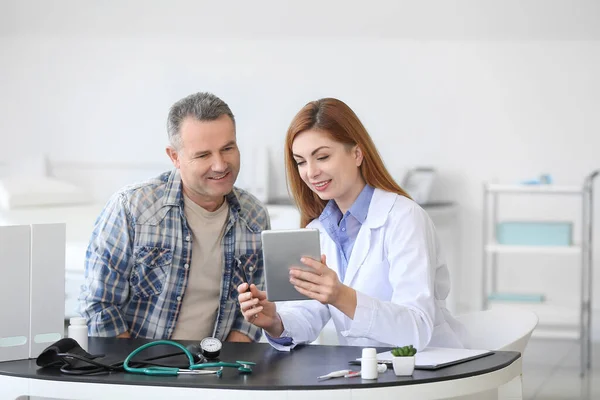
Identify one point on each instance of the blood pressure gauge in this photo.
(211, 347)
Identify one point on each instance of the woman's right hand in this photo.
(258, 310)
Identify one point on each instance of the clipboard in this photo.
(432, 358)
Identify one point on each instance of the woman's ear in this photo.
(358, 155)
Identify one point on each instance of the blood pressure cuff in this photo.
(68, 355)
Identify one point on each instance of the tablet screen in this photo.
(283, 249)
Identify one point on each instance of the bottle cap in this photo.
(369, 352)
(77, 321)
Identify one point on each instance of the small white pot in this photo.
(403, 366)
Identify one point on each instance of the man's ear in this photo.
(358, 155)
(173, 155)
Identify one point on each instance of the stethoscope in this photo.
(210, 348)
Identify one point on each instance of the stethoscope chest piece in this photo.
(245, 366)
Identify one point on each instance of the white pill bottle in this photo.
(78, 330)
(368, 363)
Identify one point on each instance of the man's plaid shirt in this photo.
(137, 262)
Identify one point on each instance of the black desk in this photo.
(275, 371)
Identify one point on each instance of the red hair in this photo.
(335, 118)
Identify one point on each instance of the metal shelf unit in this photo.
(559, 322)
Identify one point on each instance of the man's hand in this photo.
(235, 336)
(124, 335)
(258, 310)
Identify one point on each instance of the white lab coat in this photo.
(400, 278)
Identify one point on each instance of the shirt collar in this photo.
(174, 193)
(359, 208)
(331, 209)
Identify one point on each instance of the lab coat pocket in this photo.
(150, 271)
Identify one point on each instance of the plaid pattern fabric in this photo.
(138, 259)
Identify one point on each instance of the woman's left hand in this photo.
(320, 283)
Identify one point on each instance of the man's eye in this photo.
(202, 156)
(228, 148)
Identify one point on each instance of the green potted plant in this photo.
(403, 360)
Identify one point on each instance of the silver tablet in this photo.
(283, 249)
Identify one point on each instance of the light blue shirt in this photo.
(343, 229)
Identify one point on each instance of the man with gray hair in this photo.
(167, 255)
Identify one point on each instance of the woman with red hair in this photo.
(382, 278)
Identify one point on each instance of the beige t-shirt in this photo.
(200, 302)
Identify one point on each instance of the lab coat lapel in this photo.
(359, 253)
(379, 209)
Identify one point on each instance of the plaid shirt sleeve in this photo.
(107, 268)
(258, 278)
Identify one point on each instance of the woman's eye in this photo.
(299, 163)
(323, 158)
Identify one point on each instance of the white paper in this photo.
(434, 356)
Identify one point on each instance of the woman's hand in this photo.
(321, 283)
(258, 310)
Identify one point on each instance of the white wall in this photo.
(479, 89)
